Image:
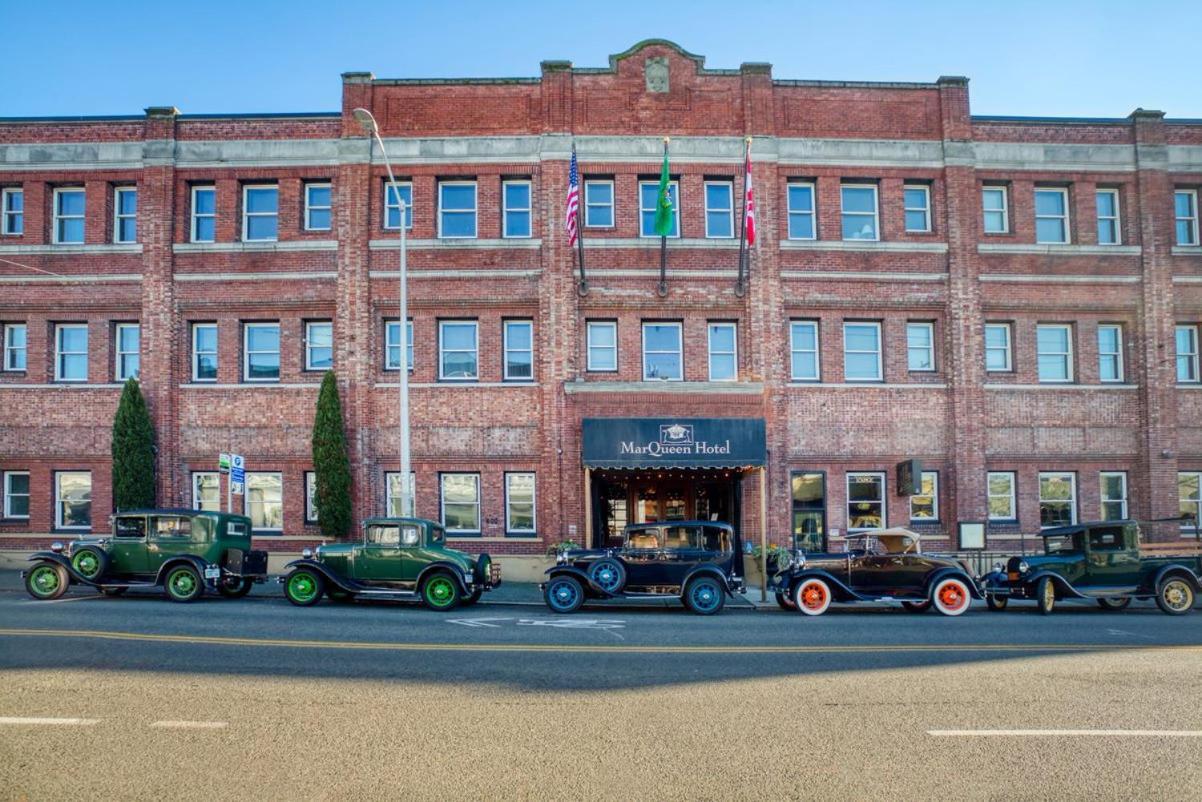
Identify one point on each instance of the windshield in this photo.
(437, 535)
(1060, 544)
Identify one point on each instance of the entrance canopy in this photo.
(673, 442)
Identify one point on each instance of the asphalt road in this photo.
(139, 698)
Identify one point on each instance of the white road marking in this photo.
(63, 600)
(48, 722)
(572, 623)
(1068, 733)
(190, 725)
(477, 622)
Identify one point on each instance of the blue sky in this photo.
(1066, 58)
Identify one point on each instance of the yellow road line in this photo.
(213, 640)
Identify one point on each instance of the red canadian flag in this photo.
(749, 221)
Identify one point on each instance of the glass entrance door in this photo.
(809, 510)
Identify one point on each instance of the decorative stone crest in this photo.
(657, 74)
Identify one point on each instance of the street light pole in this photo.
(368, 122)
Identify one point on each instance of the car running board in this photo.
(380, 592)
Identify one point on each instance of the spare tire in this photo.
(90, 562)
(608, 574)
(482, 569)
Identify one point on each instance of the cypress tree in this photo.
(331, 465)
(133, 451)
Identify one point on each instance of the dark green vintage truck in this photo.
(398, 558)
(1097, 562)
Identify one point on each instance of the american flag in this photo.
(573, 205)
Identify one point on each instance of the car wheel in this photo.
(183, 584)
(917, 607)
(564, 594)
(440, 592)
(234, 587)
(704, 596)
(340, 596)
(608, 574)
(996, 602)
(812, 596)
(46, 581)
(472, 599)
(1175, 596)
(112, 591)
(304, 587)
(90, 563)
(1045, 596)
(951, 597)
(1115, 603)
(785, 602)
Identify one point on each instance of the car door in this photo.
(170, 536)
(1110, 563)
(868, 570)
(127, 549)
(641, 555)
(680, 552)
(415, 555)
(380, 557)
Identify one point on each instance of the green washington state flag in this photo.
(663, 206)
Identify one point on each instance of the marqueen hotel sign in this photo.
(673, 442)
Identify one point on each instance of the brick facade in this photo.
(959, 419)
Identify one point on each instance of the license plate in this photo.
(213, 572)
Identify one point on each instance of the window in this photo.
(1054, 352)
(1110, 352)
(392, 492)
(519, 503)
(73, 500)
(12, 210)
(515, 218)
(460, 502)
(69, 206)
(15, 351)
(648, 201)
(129, 350)
(319, 345)
(317, 207)
(924, 505)
(1189, 494)
(394, 196)
(204, 214)
(261, 352)
(719, 210)
(457, 209)
(723, 347)
(859, 212)
(598, 204)
(1187, 354)
(1001, 497)
(204, 352)
(519, 350)
(997, 347)
(602, 345)
(1051, 215)
(392, 345)
(16, 494)
(310, 497)
(206, 491)
(801, 211)
(662, 357)
(803, 350)
(996, 210)
(862, 352)
(1109, 231)
(1057, 499)
(865, 501)
(265, 500)
(71, 352)
(1114, 495)
(920, 346)
(1185, 216)
(917, 202)
(457, 350)
(125, 214)
(260, 213)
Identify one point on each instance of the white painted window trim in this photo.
(1065, 218)
(730, 208)
(793, 349)
(1067, 355)
(196, 216)
(246, 352)
(812, 212)
(611, 205)
(59, 353)
(528, 209)
(880, 367)
(925, 189)
(588, 345)
(196, 352)
(679, 350)
(1012, 479)
(7, 215)
(118, 216)
(1187, 525)
(118, 353)
(1005, 210)
(1072, 499)
(1192, 355)
(509, 527)
(1008, 328)
(310, 206)
(674, 191)
(309, 324)
(9, 495)
(1116, 217)
(876, 212)
(474, 211)
(930, 327)
(389, 497)
(442, 501)
(58, 500)
(1103, 500)
(1120, 366)
(247, 501)
(310, 497)
(9, 348)
(58, 217)
(388, 206)
(505, 349)
(389, 326)
(475, 349)
(934, 497)
(734, 352)
(247, 214)
(883, 499)
(196, 499)
(1191, 218)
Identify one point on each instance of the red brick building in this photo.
(1013, 301)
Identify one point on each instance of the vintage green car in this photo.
(398, 558)
(183, 551)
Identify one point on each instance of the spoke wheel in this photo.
(89, 562)
(996, 602)
(812, 597)
(46, 581)
(608, 574)
(564, 594)
(1175, 596)
(704, 596)
(234, 587)
(440, 592)
(1045, 596)
(951, 597)
(183, 584)
(303, 587)
(785, 602)
(1115, 603)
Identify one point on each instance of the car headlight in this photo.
(307, 553)
(1023, 567)
(999, 567)
(57, 547)
(561, 558)
(799, 561)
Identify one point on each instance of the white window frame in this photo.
(1189, 525)
(309, 324)
(118, 216)
(389, 497)
(679, 326)
(1190, 219)
(793, 349)
(930, 348)
(246, 352)
(528, 210)
(10, 349)
(59, 353)
(197, 216)
(9, 215)
(58, 217)
(986, 211)
(1117, 355)
(883, 499)
(1115, 219)
(475, 324)
(1009, 347)
(389, 327)
(196, 495)
(1012, 478)
(590, 326)
(876, 212)
(1191, 357)
(811, 213)
(119, 354)
(611, 205)
(9, 495)
(196, 352)
(58, 501)
(880, 367)
(247, 214)
(1066, 355)
(1103, 500)
(925, 189)
(674, 191)
(730, 210)
(1072, 499)
(1065, 218)
(442, 502)
(388, 206)
(733, 353)
(310, 497)
(506, 349)
(310, 207)
(510, 529)
(474, 212)
(934, 497)
(249, 510)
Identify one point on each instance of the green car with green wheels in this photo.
(183, 552)
(398, 558)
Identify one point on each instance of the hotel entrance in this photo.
(621, 497)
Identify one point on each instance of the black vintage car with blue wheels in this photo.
(698, 562)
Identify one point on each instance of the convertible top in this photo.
(895, 539)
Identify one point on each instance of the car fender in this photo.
(190, 559)
(995, 579)
(707, 570)
(59, 559)
(840, 588)
(577, 574)
(951, 572)
(1176, 570)
(450, 567)
(326, 574)
(1062, 584)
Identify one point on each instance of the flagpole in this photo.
(741, 283)
(582, 285)
(663, 243)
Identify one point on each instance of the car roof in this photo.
(178, 511)
(657, 524)
(1057, 531)
(399, 520)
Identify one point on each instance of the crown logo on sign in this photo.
(676, 432)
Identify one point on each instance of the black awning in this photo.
(673, 442)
